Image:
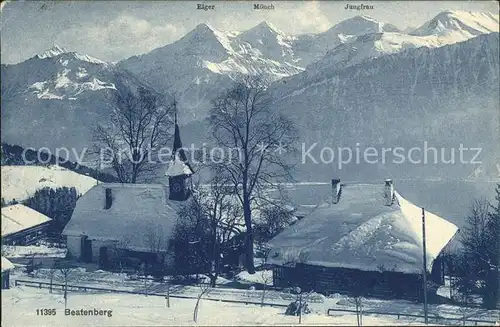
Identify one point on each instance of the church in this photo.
(137, 220)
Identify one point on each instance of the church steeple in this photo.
(179, 172)
(177, 149)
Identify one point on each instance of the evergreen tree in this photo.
(481, 250)
(57, 204)
(492, 254)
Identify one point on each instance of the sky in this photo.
(115, 30)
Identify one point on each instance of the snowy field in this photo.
(19, 306)
(21, 182)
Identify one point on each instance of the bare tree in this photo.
(158, 244)
(138, 127)
(359, 288)
(118, 253)
(65, 267)
(274, 217)
(204, 289)
(299, 306)
(242, 120)
(213, 218)
(266, 279)
(52, 271)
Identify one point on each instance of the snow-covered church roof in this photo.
(137, 213)
(16, 218)
(362, 232)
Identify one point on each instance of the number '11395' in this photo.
(45, 312)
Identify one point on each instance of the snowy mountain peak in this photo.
(57, 51)
(359, 25)
(467, 22)
(267, 27)
(203, 28)
(52, 52)
(364, 17)
(263, 30)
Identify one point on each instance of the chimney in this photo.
(335, 190)
(388, 192)
(109, 199)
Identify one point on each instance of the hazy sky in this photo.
(114, 30)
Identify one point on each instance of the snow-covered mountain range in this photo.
(359, 74)
(207, 60)
(55, 98)
(444, 96)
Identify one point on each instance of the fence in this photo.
(221, 292)
(455, 321)
(55, 286)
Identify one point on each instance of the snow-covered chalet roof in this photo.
(16, 218)
(361, 232)
(137, 213)
(6, 264)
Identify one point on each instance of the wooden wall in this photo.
(28, 236)
(353, 282)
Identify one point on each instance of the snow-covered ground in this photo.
(261, 277)
(21, 303)
(13, 251)
(21, 182)
(19, 306)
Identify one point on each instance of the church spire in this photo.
(177, 149)
(180, 171)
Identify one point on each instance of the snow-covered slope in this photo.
(206, 60)
(55, 98)
(58, 74)
(359, 25)
(466, 22)
(21, 182)
(452, 27)
(311, 48)
(445, 96)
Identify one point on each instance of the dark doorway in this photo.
(86, 249)
(103, 257)
(5, 279)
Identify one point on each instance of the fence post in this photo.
(168, 296)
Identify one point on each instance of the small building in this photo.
(7, 266)
(22, 225)
(132, 217)
(136, 219)
(366, 241)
